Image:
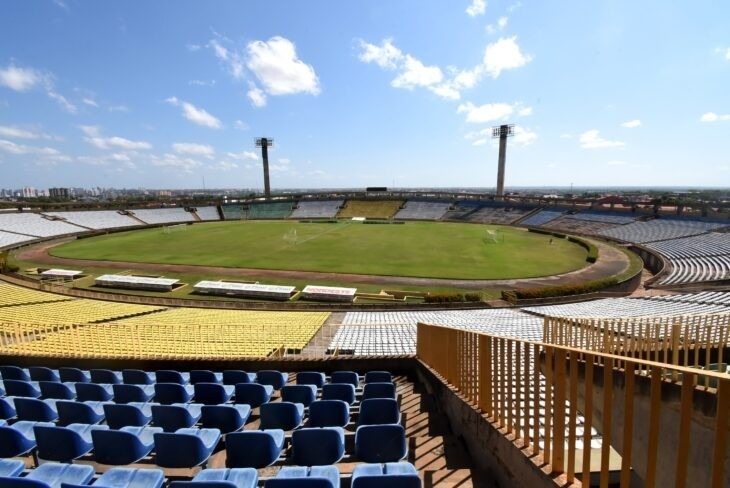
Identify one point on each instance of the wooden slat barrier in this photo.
(510, 380)
(698, 341)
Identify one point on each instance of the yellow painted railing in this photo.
(531, 390)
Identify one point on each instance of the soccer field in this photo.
(417, 249)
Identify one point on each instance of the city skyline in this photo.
(163, 95)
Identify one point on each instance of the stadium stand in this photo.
(17, 295)
(34, 224)
(705, 297)
(320, 209)
(375, 209)
(660, 230)
(7, 239)
(76, 311)
(422, 210)
(606, 217)
(273, 210)
(163, 215)
(207, 213)
(497, 215)
(96, 219)
(542, 217)
(233, 212)
(566, 224)
(712, 244)
(697, 269)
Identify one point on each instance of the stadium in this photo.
(449, 334)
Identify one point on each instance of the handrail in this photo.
(503, 376)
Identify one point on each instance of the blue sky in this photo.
(397, 93)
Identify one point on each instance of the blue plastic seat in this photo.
(9, 372)
(70, 412)
(130, 414)
(318, 446)
(380, 443)
(311, 378)
(378, 390)
(22, 388)
(378, 377)
(172, 376)
(304, 394)
(349, 377)
(205, 376)
(41, 373)
(124, 393)
(64, 444)
(7, 408)
(339, 391)
(11, 467)
(281, 415)
(58, 390)
(105, 376)
(226, 418)
(99, 392)
(169, 393)
(35, 410)
(213, 393)
(221, 478)
(271, 377)
(2, 389)
(127, 478)
(305, 477)
(74, 375)
(329, 413)
(236, 376)
(253, 394)
(379, 411)
(127, 445)
(186, 448)
(138, 377)
(18, 439)
(177, 416)
(52, 475)
(388, 475)
(254, 448)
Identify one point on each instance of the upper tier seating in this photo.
(697, 269)
(371, 209)
(8, 239)
(33, 224)
(419, 210)
(272, 210)
(566, 224)
(208, 213)
(611, 218)
(320, 209)
(233, 212)
(542, 217)
(163, 215)
(17, 295)
(660, 230)
(97, 219)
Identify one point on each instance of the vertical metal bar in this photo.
(535, 379)
(607, 419)
(547, 437)
(628, 425)
(588, 419)
(573, 415)
(559, 380)
(653, 440)
(683, 444)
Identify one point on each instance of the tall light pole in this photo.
(265, 143)
(502, 132)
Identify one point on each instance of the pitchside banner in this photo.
(3, 259)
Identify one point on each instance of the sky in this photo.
(397, 93)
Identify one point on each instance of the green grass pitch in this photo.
(417, 249)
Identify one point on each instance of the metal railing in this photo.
(530, 390)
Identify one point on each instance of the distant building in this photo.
(58, 192)
(29, 192)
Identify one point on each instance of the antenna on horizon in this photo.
(265, 143)
(502, 132)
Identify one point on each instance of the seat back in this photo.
(117, 448)
(253, 394)
(124, 393)
(9, 372)
(56, 389)
(41, 373)
(310, 378)
(136, 377)
(349, 377)
(21, 388)
(379, 411)
(281, 415)
(60, 444)
(170, 376)
(225, 418)
(86, 392)
(106, 376)
(7, 410)
(179, 450)
(317, 446)
(169, 393)
(251, 449)
(378, 390)
(304, 394)
(34, 409)
(378, 377)
(339, 391)
(235, 376)
(118, 416)
(70, 412)
(13, 443)
(74, 375)
(171, 417)
(210, 393)
(271, 377)
(202, 376)
(329, 413)
(380, 443)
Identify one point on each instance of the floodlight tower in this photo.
(502, 132)
(265, 143)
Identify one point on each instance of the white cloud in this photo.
(232, 59)
(62, 101)
(241, 125)
(90, 102)
(525, 112)
(24, 133)
(194, 149)
(713, 117)
(477, 7)
(592, 140)
(504, 54)
(386, 55)
(724, 52)
(480, 142)
(243, 156)
(20, 79)
(196, 115)
(256, 95)
(176, 162)
(415, 73)
(489, 112)
(276, 65)
(566, 135)
(13, 148)
(502, 22)
(224, 166)
(201, 82)
(524, 137)
(632, 124)
(118, 108)
(95, 138)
